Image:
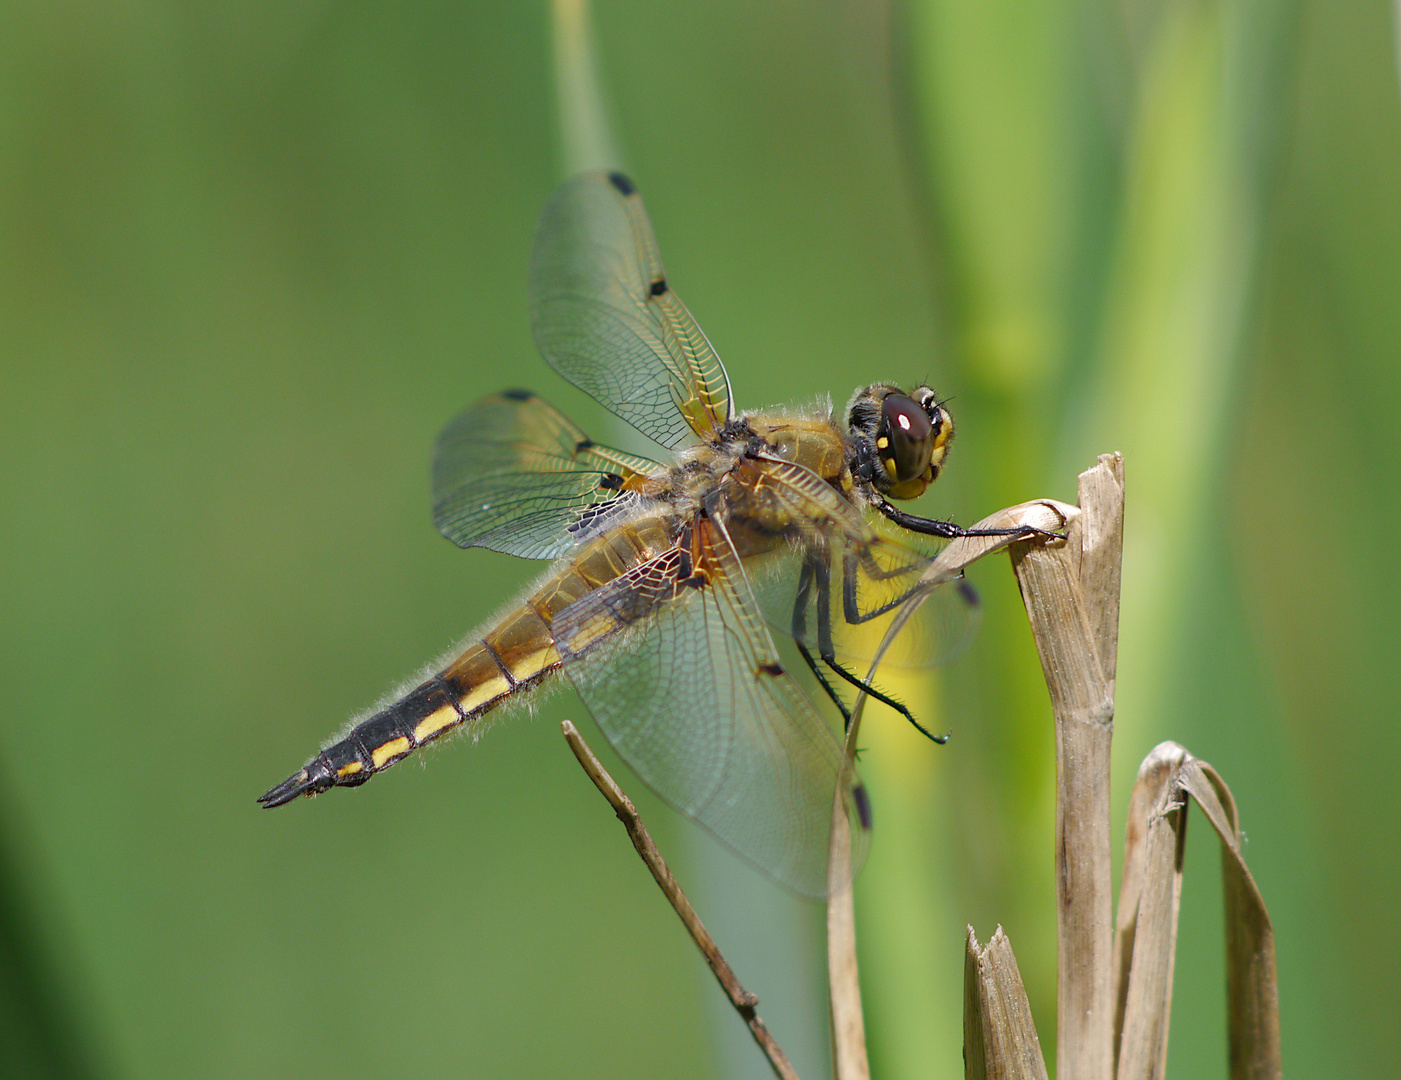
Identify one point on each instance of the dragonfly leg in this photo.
(851, 605)
(825, 648)
(827, 687)
(799, 630)
(949, 531)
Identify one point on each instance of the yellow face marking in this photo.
(945, 423)
(392, 749)
(484, 692)
(889, 464)
(882, 443)
(435, 722)
(909, 489)
(349, 770)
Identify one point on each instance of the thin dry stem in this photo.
(744, 1002)
(843, 979)
(1154, 778)
(1071, 595)
(1252, 984)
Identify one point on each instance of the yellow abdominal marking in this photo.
(487, 691)
(392, 749)
(348, 770)
(533, 664)
(433, 723)
(590, 632)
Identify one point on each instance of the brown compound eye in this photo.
(906, 440)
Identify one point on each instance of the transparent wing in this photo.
(676, 665)
(512, 474)
(606, 319)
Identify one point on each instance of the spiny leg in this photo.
(822, 573)
(799, 630)
(949, 531)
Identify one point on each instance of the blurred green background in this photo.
(253, 255)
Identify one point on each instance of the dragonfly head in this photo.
(900, 440)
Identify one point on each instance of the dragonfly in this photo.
(657, 607)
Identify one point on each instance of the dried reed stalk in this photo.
(999, 1035)
(1149, 897)
(1114, 987)
(843, 981)
(1147, 923)
(1071, 594)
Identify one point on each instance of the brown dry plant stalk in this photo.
(1071, 593)
(999, 1035)
(1114, 985)
(1147, 925)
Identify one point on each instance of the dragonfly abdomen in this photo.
(515, 656)
(476, 682)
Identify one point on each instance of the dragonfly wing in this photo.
(510, 473)
(678, 668)
(606, 318)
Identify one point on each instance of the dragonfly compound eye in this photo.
(905, 442)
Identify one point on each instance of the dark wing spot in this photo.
(659, 287)
(582, 445)
(611, 482)
(863, 805)
(588, 517)
(771, 669)
(595, 516)
(622, 183)
(683, 568)
(517, 395)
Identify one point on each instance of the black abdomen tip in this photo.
(311, 780)
(622, 183)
